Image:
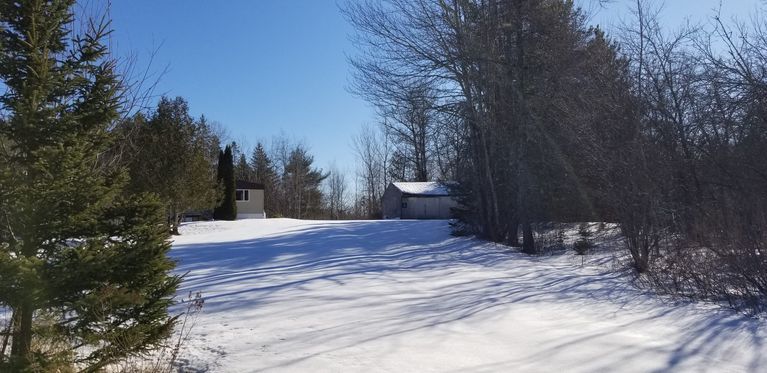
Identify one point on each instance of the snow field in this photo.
(404, 296)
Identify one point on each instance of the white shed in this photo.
(417, 200)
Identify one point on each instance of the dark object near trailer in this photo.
(418, 200)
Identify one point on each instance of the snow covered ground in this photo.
(404, 296)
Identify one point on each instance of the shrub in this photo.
(582, 246)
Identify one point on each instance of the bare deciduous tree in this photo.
(371, 146)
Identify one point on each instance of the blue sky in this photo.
(261, 68)
(258, 67)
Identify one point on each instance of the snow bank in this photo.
(404, 296)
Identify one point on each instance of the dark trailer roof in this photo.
(242, 184)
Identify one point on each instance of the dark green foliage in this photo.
(227, 208)
(583, 244)
(121, 275)
(242, 169)
(301, 183)
(264, 172)
(76, 257)
(172, 155)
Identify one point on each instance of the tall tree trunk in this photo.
(512, 238)
(528, 240)
(173, 221)
(22, 339)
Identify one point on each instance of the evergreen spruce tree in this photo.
(227, 209)
(302, 185)
(242, 169)
(217, 212)
(265, 173)
(230, 185)
(72, 250)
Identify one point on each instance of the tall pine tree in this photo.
(302, 185)
(265, 173)
(242, 170)
(72, 249)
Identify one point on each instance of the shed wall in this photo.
(391, 203)
(427, 207)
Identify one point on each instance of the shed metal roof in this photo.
(428, 188)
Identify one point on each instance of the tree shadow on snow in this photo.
(246, 274)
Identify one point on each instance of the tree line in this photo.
(180, 158)
(541, 117)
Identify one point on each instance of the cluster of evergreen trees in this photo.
(541, 118)
(169, 153)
